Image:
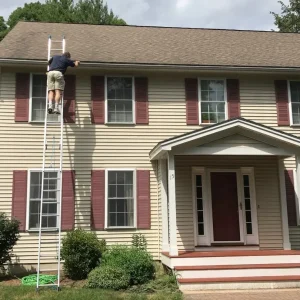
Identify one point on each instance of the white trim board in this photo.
(292, 142)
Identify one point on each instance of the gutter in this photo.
(86, 64)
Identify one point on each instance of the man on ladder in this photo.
(58, 65)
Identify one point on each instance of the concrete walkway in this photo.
(291, 294)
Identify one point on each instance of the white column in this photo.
(172, 206)
(297, 187)
(284, 214)
(164, 205)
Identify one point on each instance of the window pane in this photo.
(247, 204)
(247, 192)
(246, 180)
(199, 192)
(249, 228)
(120, 111)
(295, 91)
(34, 207)
(296, 113)
(198, 180)
(200, 229)
(200, 216)
(119, 88)
(39, 85)
(248, 216)
(199, 204)
(34, 220)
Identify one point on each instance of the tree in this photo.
(289, 19)
(62, 11)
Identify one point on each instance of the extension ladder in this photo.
(51, 182)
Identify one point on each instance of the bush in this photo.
(81, 251)
(108, 277)
(136, 262)
(139, 241)
(9, 235)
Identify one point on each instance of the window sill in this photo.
(43, 230)
(294, 125)
(121, 123)
(120, 228)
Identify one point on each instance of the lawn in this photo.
(67, 293)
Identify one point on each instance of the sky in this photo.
(230, 14)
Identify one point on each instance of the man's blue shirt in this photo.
(60, 63)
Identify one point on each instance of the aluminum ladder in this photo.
(51, 185)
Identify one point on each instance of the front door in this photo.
(225, 207)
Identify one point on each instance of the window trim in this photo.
(29, 171)
(134, 199)
(30, 101)
(133, 100)
(199, 97)
(290, 103)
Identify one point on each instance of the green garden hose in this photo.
(44, 279)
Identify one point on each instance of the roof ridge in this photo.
(164, 27)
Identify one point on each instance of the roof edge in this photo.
(160, 66)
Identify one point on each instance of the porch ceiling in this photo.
(214, 140)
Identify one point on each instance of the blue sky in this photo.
(232, 14)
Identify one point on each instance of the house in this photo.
(188, 136)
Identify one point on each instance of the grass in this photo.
(29, 293)
(161, 288)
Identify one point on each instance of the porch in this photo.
(224, 210)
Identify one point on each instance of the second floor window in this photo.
(38, 99)
(212, 101)
(295, 101)
(120, 102)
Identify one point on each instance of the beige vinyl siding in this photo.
(87, 147)
(267, 196)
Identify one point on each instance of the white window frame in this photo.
(30, 101)
(133, 100)
(200, 100)
(29, 171)
(134, 199)
(290, 103)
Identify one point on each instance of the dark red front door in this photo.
(225, 208)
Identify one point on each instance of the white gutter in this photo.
(157, 66)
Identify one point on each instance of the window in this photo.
(120, 198)
(38, 101)
(247, 199)
(120, 100)
(295, 101)
(212, 101)
(199, 199)
(50, 209)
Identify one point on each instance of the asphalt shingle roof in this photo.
(155, 45)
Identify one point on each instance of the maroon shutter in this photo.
(233, 98)
(141, 100)
(143, 200)
(68, 200)
(282, 102)
(97, 93)
(290, 197)
(69, 98)
(191, 96)
(98, 199)
(19, 197)
(22, 97)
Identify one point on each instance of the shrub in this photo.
(108, 277)
(139, 241)
(137, 263)
(9, 235)
(81, 251)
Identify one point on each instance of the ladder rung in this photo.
(51, 190)
(50, 215)
(49, 242)
(48, 285)
(48, 255)
(56, 41)
(55, 49)
(49, 202)
(49, 229)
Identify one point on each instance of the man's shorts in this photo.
(55, 81)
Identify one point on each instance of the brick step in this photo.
(238, 279)
(237, 267)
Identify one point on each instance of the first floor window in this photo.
(38, 99)
(212, 101)
(295, 101)
(119, 99)
(50, 198)
(120, 200)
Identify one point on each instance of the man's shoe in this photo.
(50, 110)
(56, 111)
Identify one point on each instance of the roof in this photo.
(242, 123)
(155, 45)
